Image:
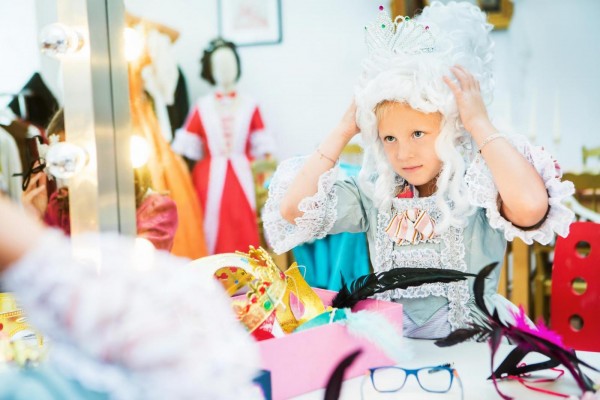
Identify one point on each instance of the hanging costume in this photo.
(10, 163)
(225, 133)
(167, 169)
(39, 104)
(156, 217)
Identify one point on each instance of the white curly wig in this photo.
(461, 36)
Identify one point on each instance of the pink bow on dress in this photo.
(412, 226)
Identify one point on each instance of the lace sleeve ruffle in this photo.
(187, 144)
(319, 209)
(483, 193)
(139, 324)
(261, 144)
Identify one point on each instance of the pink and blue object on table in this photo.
(310, 356)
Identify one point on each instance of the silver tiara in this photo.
(402, 35)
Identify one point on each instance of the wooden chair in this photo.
(585, 204)
(587, 153)
(352, 154)
(262, 171)
(576, 287)
(587, 189)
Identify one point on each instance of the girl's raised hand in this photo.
(471, 107)
(347, 126)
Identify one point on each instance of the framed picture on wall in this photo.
(499, 12)
(250, 22)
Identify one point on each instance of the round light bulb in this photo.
(134, 44)
(58, 39)
(65, 160)
(140, 151)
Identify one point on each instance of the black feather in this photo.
(334, 383)
(397, 278)
(459, 336)
(493, 329)
(479, 287)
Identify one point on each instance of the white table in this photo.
(472, 361)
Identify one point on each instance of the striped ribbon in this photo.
(411, 226)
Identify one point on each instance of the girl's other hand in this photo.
(347, 126)
(471, 107)
(35, 196)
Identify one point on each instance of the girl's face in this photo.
(408, 138)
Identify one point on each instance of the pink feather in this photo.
(540, 329)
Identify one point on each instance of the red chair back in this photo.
(575, 301)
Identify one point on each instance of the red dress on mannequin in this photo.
(225, 132)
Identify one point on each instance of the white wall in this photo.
(548, 76)
(303, 84)
(20, 57)
(547, 68)
(548, 65)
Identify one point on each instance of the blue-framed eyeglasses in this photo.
(437, 379)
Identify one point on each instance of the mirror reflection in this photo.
(210, 119)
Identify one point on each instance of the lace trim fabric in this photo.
(450, 257)
(261, 144)
(483, 193)
(319, 210)
(105, 335)
(187, 144)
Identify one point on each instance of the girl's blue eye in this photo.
(418, 134)
(389, 139)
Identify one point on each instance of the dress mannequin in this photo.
(224, 132)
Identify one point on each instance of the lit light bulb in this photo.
(58, 39)
(140, 151)
(65, 160)
(134, 44)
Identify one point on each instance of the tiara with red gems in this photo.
(402, 35)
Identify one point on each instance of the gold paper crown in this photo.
(269, 290)
(256, 271)
(402, 35)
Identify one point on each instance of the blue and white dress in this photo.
(431, 310)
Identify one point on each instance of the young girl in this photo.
(440, 185)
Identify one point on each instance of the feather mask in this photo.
(526, 336)
(397, 278)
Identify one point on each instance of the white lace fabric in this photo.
(451, 256)
(261, 144)
(187, 144)
(154, 329)
(319, 210)
(483, 193)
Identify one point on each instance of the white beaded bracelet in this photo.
(490, 138)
